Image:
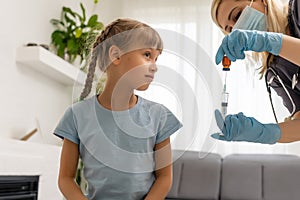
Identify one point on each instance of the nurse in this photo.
(272, 31)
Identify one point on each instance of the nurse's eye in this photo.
(237, 16)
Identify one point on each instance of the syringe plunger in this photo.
(224, 103)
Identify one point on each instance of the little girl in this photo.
(122, 139)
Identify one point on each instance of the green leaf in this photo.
(55, 21)
(74, 16)
(78, 32)
(67, 10)
(72, 46)
(93, 21)
(69, 20)
(99, 26)
(61, 51)
(58, 37)
(83, 13)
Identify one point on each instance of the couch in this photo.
(208, 176)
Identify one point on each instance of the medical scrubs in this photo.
(285, 69)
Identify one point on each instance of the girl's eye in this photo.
(148, 54)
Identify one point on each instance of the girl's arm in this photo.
(67, 172)
(290, 49)
(290, 129)
(163, 172)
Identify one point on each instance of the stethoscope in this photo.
(268, 83)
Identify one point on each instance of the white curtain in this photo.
(247, 93)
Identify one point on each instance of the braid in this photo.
(90, 76)
(105, 33)
(93, 62)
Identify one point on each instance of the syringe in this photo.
(226, 67)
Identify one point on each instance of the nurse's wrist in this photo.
(274, 42)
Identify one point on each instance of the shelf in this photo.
(50, 65)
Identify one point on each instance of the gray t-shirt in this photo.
(117, 147)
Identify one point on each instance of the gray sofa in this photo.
(208, 176)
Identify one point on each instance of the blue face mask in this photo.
(251, 19)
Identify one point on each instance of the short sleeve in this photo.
(168, 125)
(66, 128)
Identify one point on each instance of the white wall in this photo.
(30, 99)
(28, 96)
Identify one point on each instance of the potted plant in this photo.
(74, 34)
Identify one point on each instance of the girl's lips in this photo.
(149, 76)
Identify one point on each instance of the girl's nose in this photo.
(153, 68)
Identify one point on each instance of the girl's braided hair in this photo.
(144, 37)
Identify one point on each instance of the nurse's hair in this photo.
(276, 19)
(127, 35)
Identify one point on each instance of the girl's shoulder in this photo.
(147, 104)
(84, 104)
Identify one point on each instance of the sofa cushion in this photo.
(241, 180)
(195, 175)
(281, 177)
(260, 177)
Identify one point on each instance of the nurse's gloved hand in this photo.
(238, 41)
(238, 127)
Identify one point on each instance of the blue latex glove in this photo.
(238, 127)
(238, 41)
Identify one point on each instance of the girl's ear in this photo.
(114, 54)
